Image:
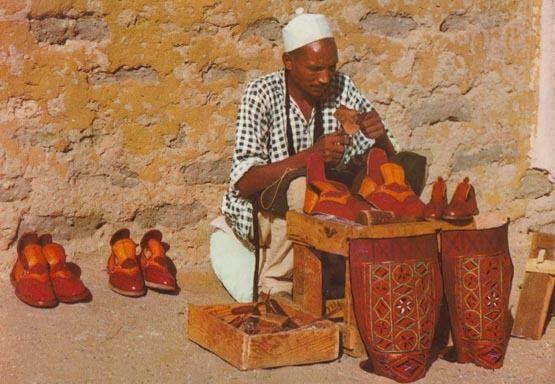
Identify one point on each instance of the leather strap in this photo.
(318, 122)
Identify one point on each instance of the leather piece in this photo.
(397, 292)
(478, 273)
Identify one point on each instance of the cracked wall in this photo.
(122, 113)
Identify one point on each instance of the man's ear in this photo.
(287, 61)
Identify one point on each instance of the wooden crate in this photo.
(314, 341)
(537, 291)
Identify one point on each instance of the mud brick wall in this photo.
(121, 113)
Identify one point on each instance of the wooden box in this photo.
(314, 341)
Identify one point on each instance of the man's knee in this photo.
(295, 194)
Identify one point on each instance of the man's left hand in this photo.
(371, 125)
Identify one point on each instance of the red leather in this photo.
(65, 277)
(463, 204)
(438, 200)
(158, 270)
(397, 292)
(30, 274)
(125, 276)
(324, 196)
(477, 273)
(385, 187)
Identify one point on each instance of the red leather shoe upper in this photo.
(158, 269)
(30, 274)
(123, 267)
(438, 200)
(385, 188)
(463, 204)
(68, 286)
(329, 197)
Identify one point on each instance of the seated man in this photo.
(283, 118)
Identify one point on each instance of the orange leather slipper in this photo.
(30, 274)
(65, 277)
(329, 197)
(385, 187)
(125, 276)
(158, 270)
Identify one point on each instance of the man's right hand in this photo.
(332, 147)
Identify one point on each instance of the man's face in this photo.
(312, 67)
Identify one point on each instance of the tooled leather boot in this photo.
(463, 205)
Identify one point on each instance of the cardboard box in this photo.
(312, 342)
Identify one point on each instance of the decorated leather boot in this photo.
(477, 276)
(65, 277)
(463, 204)
(158, 270)
(397, 294)
(125, 276)
(438, 200)
(385, 187)
(30, 274)
(329, 197)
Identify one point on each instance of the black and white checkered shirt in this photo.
(261, 137)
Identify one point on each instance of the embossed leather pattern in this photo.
(397, 291)
(478, 273)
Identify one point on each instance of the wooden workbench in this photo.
(312, 235)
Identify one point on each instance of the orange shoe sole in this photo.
(160, 287)
(128, 293)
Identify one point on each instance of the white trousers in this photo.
(276, 250)
(233, 263)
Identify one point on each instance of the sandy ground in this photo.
(115, 339)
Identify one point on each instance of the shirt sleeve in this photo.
(251, 134)
(361, 143)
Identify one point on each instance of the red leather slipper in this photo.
(30, 274)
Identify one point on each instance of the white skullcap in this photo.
(304, 29)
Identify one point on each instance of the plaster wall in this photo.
(121, 113)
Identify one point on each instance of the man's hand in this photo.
(371, 125)
(332, 147)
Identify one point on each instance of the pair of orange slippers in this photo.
(130, 274)
(383, 187)
(41, 275)
(463, 205)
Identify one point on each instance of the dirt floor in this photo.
(115, 339)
